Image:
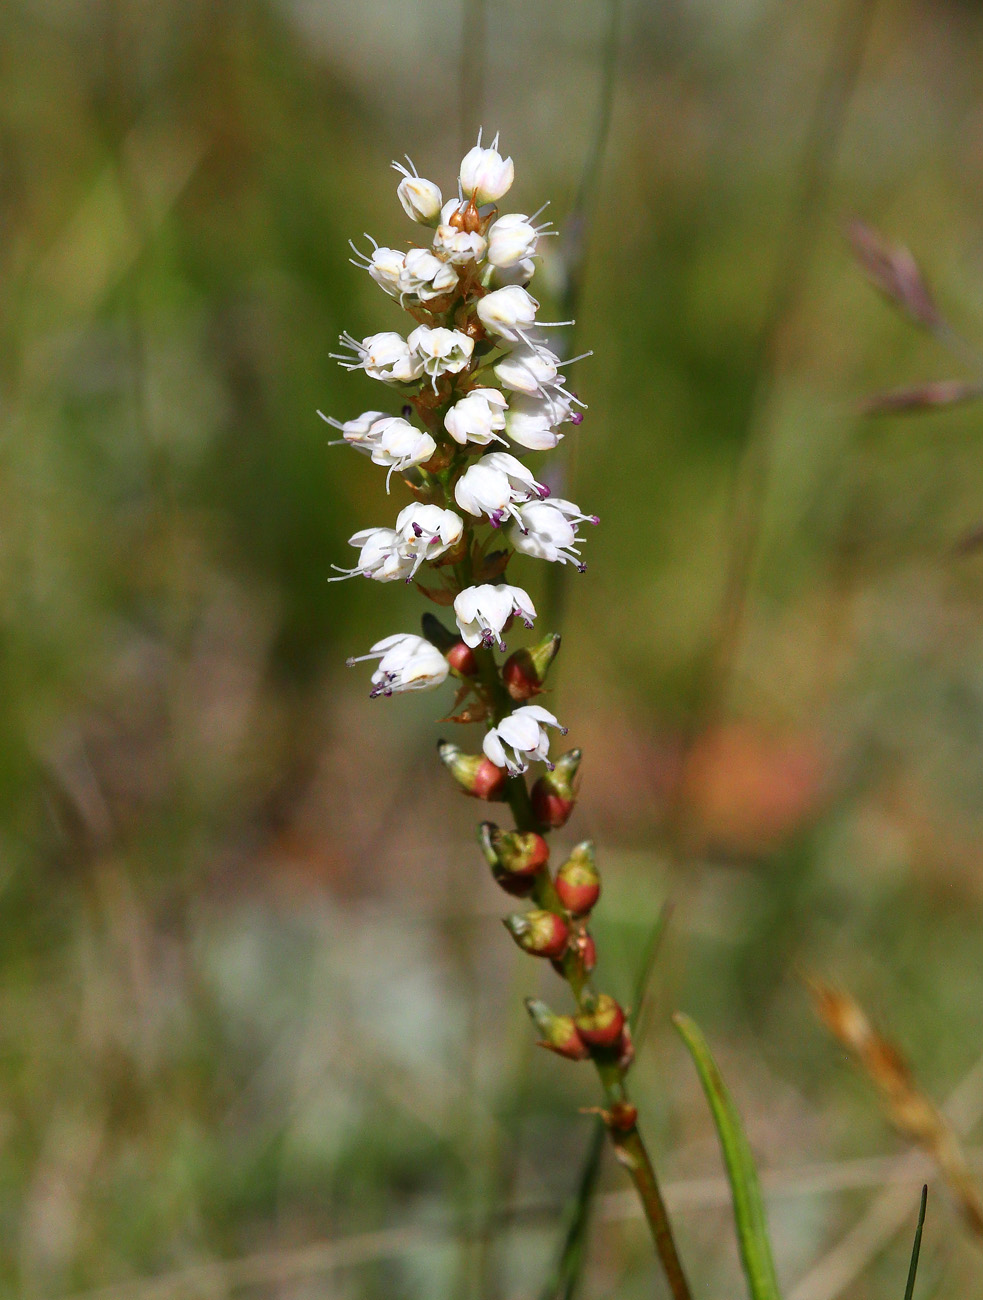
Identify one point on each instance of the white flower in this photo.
(400, 446)
(362, 433)
(385, 356)
(385, 554)
(507, 312)
(421, 199)
(483, 612)
(477, 417)
(485, 175)
(528, 368)
(547, 530)
(383, 264)
(520, 476)
(531, 418)
(380, 557)
(521, 738)
(520, 274)
(439, 351)
(426, 532)
(407, 663)
(492, 488)
(425, 276)
(512, 239)
(458, 246)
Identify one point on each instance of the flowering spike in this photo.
(559, 1033)
(525, 670)
(539, 933)
(553, 795)
(577, 882)
(601, 1027)
(473, 772)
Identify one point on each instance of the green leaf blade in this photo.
(749, 1212)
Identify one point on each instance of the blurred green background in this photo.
(260, 1030)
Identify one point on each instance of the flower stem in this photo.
(628, 1144)
(631, 1152)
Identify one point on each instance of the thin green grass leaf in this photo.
(916, 1246)
(749, 1213)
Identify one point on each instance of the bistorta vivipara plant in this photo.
(478, 370)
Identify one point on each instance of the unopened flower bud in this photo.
(540, 933)
(601, 1027)
(553, 795)
(525, 670)
(420, 199)
(485, 175)
(475, 774)
(577, 881)
(559, 1033)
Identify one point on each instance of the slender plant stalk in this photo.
(628, 1144)
(476, 367)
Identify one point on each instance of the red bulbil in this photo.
(539, 933)
(550, 808)
(519, 681)
(461, 659)
(489, 781)
(577, 899)
(602, 1027)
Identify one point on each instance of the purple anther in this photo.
(418, 530)
(577, 417)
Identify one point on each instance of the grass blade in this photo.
(749, 1212)
(917, 1245)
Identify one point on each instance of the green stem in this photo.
(632, 1153)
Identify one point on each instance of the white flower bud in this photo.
(521, 738)
(477, 417)
(406, 663)
(508, 312)
(421, 199)
(485, 175)
(483, 613)
(440, 351)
